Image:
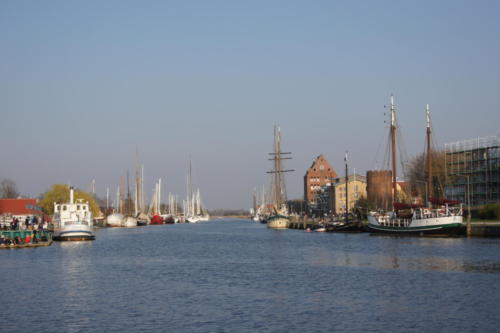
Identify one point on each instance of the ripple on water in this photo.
(228, 276)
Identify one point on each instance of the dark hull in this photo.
(450, 230)
(74, 238)
(349, 227)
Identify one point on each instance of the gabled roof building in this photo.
(318, 175)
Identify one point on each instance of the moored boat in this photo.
(114, 220)
(73, 220)
(440, 217)
(279, 218)
(278, 222)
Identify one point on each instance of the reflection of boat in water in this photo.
(73, 220)
(445, 218)
(278, 219)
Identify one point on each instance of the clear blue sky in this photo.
(83, 83)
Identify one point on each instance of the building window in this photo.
(321, 167)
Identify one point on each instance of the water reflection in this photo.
(442, 264)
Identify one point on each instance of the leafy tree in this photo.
(8, 189)
(59, 193)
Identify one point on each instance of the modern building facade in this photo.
(473, 170)
(318, 175)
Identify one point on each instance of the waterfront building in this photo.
(317, 176)
(473, 170)
(18, 208)
(356, 188)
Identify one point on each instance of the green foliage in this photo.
(489, 212)
(59, 193)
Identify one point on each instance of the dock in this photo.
(43, 238)
(485, 229)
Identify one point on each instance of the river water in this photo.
(239, 276)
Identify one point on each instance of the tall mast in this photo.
(159, 197)
(141, 201)
(189, 191)
(129, 209)
(278, 188)
(429, 153)
(346, 189)
(118, 206)
(136, 197)
(393, 149)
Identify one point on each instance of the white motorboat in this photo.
(73, 220)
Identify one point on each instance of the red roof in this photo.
(18, 206)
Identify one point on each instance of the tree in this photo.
(362, 207)
(59, 193)
(8, 189)
(417, 175)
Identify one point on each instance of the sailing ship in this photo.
(140, 215)
(259, 209)
(349, 222)
(129, 220)
(73, 220)
(279, 218)
(445, 218)
(116, 218)
(193, 208)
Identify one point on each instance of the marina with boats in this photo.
(398, 212)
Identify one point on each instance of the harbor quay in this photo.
(478, 229)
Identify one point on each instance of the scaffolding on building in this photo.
(473, 170)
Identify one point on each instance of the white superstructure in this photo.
(73, 220)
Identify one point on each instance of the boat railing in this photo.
(395, 222)
(76, 222)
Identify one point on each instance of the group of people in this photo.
(18, 240)
(29, 223)
(33, 228)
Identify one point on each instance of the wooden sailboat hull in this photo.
(278, 222)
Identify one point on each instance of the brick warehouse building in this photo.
(318, 175)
